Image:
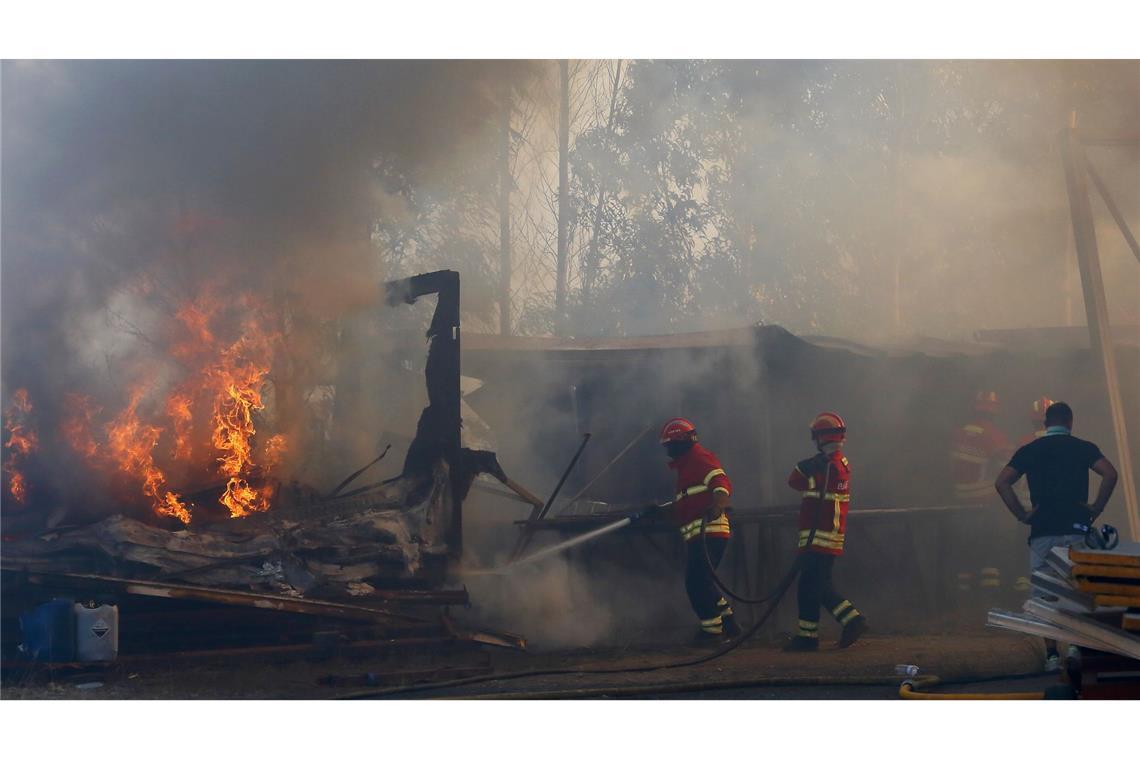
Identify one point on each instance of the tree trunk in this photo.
(505, 216)
(590, 266)
(563, 197)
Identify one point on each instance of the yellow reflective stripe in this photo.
(720, 526)
(712, 474)
(832, 496)
(825, 539)
(854, 613)
(809, 494)
(713, 625)
(722, 490)
(809, 625)
(811, 481)
(977, 429)
(841, 608)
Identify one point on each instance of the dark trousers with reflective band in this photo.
(816, 590)
(704, 596)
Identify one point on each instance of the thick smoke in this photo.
(128, 186)
(132, 189)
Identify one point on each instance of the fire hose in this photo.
(908, 689)
(723, 649)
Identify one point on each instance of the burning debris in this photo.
(203, 436)
(22, 442)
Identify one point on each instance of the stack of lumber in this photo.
(1086, 597)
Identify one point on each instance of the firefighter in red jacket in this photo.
(824, 485)
(978, 452)
(703, 492)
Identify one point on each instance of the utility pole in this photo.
(505, 213)
(563, 196)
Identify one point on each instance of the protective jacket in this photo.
(699, 476)
(824, 483)
(975, 454)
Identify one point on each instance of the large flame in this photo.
(213, 408)
(131, 443)
(22, 441)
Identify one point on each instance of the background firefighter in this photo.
(703, 491)
(824, 483)
(986, 548)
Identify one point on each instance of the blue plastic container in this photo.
(49, 632)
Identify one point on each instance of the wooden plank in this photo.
(1131, 621)
(1101, 587)
(1117, 639)
(1096, 311)
(1125, 554)
(1115, 600)
(1107, 571)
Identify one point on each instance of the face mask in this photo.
(677, 448)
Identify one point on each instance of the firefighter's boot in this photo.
(852, 630)
(731, 627)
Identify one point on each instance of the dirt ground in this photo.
(757, 669)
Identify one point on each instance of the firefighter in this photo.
(703, 492)
(824, 483)
(978, 451)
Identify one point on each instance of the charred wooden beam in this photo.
(538, 514)
(438, 430)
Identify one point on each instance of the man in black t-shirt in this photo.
(1057, 466)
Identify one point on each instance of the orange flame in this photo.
(131, 442)
(76, 424)
(22, 441)
(273, 451)
(226, 381)
(182, 418)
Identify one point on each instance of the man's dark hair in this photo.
(1059, 413)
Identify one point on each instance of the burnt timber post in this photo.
(438, 431)
(1096, 309)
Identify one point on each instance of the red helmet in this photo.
(1037, 411)
(678, 429)
(828, 427)
(986, 401)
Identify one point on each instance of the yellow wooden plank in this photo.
(1107, 571)
(1082, 555)
(1123, 589)
(1116, 600)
